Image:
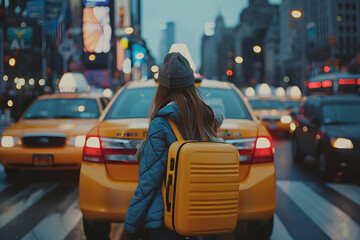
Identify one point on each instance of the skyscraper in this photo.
(167, 39)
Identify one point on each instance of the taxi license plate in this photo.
(272, 125)
(43, 160)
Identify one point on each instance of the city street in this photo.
(95, 93)
(45, 206)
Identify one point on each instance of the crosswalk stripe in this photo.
(56, 226)
(280, 231)
(350, 191)
(23, 204)
(334, 222)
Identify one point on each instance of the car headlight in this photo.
(341, 143)
(78, 141)
(292, 127)
(10, 141)
(285, 119)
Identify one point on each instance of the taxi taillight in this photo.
(254, 150)
(92, 150)
(264, 150)
(109, 150)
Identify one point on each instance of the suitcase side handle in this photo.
(168, 183)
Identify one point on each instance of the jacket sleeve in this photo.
(151, 172)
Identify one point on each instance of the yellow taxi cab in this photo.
(109, 172)
(51, 133)
(273, 112)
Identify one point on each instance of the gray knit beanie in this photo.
(176, 72)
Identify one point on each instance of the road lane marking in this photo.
(57, 225)
(280, 231)
(117, 230)
(334, 222)
(350, 191)
(23, 205)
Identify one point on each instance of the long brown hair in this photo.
(201, 119)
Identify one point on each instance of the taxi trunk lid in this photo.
(120, 138)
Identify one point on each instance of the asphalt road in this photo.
(41, 206)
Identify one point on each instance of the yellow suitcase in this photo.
(201, 189)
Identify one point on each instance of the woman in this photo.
(178, 98)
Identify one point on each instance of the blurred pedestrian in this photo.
(177, 98)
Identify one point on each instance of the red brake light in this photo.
(347, 81)
(264, 151)
(313, 85)
(358, 81)
(92, 150)
(326, 83)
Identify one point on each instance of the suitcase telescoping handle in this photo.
(168, 183)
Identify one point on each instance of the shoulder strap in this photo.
(175, 129)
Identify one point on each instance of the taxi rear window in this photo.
(135, 103)
(267, 104)
(63, 108)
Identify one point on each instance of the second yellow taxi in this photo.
(51, 133)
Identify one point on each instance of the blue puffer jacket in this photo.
(146, 208)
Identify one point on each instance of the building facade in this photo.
(217, 52)
(325, 38)
(167, 39)
(272, 54)
(253, 24)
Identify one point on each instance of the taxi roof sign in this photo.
(72, 82)
(183, 49)
(293, 92)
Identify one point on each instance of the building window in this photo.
(354, 18)
(340, 6)
(341, 28)
(347, 17)
(347, 6)
(354, 6)
(347, 28)
(354, 29)
(355, 40)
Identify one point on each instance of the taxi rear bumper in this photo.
(64, 158)
(103, 199)
(276, 125)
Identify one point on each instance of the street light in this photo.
(154, 68)
(129, 30)
(257, 49)
(12, 62)
(92, 57)
(239, 60)
(296, 13)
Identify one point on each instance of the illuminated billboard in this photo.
(94, 3)
(20, 37)
(122, 16)
(96, 29)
